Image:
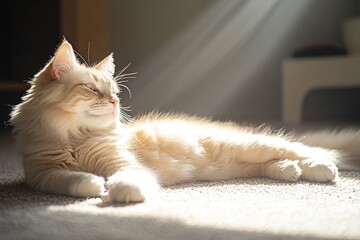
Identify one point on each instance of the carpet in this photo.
(251, 208)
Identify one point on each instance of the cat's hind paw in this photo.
(319, 171)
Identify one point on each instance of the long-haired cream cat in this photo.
(74, 141)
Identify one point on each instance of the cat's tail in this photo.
(347, 141)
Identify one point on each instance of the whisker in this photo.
(79, 55)
(121, 75)
(127, 109)
(125, 81)
(89, 52)
(124, 69)
(128, 74)
(125, 118)
(124, 86)
(118, 78)
(124, 78)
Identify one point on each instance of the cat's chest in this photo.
(94, 153)
(91, 148)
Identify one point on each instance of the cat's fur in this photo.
(74, 143)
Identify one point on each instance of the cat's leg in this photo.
(127, 180)
(320, 166)
(65, 182)
(286, 170)
(250, 148)
(87, 185)
(298, 160)
(311, 163)
(131, 185)
(282, 158)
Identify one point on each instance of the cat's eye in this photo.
(91, 87)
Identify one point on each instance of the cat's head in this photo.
(66, 96)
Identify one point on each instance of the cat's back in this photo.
(183, 124)
(175, 132)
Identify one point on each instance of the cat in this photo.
(74, 141)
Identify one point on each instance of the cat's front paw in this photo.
(131, 186)
(87, 185)
(319, 171)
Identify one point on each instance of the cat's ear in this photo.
(107, 65)
(64, 60)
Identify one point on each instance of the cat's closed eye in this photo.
(92, 88)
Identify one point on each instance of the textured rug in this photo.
(253, 208)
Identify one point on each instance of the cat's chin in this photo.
(101, 121)
(109, 114)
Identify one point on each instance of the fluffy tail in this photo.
(346, 141)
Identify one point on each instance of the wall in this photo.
(217, 58)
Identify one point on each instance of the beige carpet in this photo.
(254, 208)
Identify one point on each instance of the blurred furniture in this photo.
(85, 24)
(302, 75)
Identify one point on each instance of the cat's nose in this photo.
(113, 101)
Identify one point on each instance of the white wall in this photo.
(217, 58)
